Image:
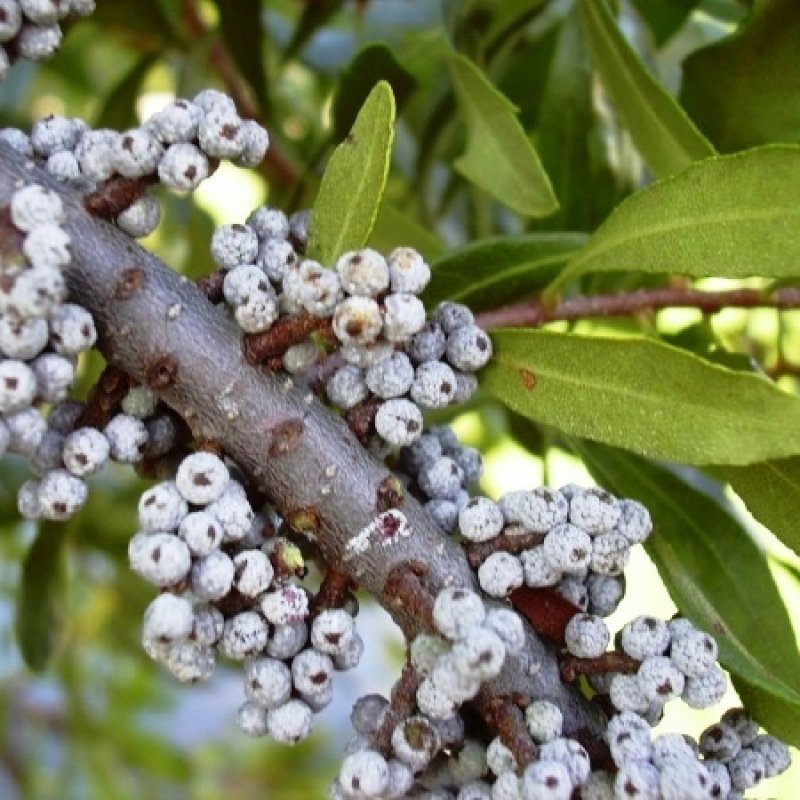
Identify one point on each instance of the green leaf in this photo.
(717, 576)
(728, 216)
(373, 63)
(771, 492)
(499, 157)
(742, 91)
(664, 17)
(41, 595)
(394, 228)
(495, 271)
(314, 16)
(119, 108)
(242, 31)
(661, 131)
(352, 187)
(644, 396)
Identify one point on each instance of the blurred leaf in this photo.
(374, 63)
(717, 576)
(771, 492)
(119, 108)
(243, 34)
(509, 17)
(644, 396)
(352, 186)
(743, 90)
(567, 136)
(664, 17)
(701, 339)
(498, 270)
(143, 22)
(728, 216)
(41, 595)
(315, 15)
(393, 228)
(499, 157)
(663, 134)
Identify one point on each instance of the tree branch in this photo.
(534, 313)
(302, 456)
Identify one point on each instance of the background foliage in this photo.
(538, 148)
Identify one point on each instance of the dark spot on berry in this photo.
(229, 131)
(60, 507)
(150, 500)
(665, 688)
(481, 343)
(156, 554)
(127, 143)
(354, 327)
(650, 623)
(412, 426)
(81, 459)
(255, 684)
(11, 383)
(201, 479)
(446, 387)
(551, 782)
(319, 678)
(190, 173)
(210, 532)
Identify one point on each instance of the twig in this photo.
(505, 717)
(111, 198)
(334, 591)
(534, 313)
(545, 609)
(105, 399)
(401, 706)
(613, 661)
(478, 552)
(260, 348)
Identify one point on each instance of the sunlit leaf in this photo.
(499, 157)
(502, 269)
(644, 396)
(728, 216)
(661, 130)
(717, 576)
(743, 90)
(352, 186)
(771, 492)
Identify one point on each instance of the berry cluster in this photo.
(179, 146)
(30, 28)
(227, 589)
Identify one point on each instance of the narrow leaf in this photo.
(352, 186)
(664, 17)
(373, 63)
(394, 228)
(742, 90)
(728, 216)
(717, 576)
(498, 270)
(499, 157)
(643, 395)
(41, 595)
(314, 16)
(771, 492)
(243, 34)
(661, 130)
(119, 108)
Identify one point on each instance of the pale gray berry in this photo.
(38, 291)
(645, 636)
(627, 695)
(367, 713)
(85, 451)
(161, 508)
(242, 281)
(201, 531)
(168, 618)
(252, 718)
(72, 330)
(34, 205)
(26, 429)
(605, 593)
(610, 554)
(537, 511)
(468, 348)
(160, 558)
(253, 572)
(546, 780)
(357, 320)
(660, 679)
(137, 153)
(291, 722)
(232, 245)
(499, 758)
(452, 316)
(17, 386)
(740, 721)
(456, 611)
(594, 510)
(269, 223)
(573, 588)
(16, 139)
(428, 344)
(777, 756)
(38, 42)
(398, 422)
(268, 682)
(208, 625)
(95, 153)
(500, 574)
(347, 387)
(42, 12)
(720, 742)
(434, 385)
(126, 437)
(408, 271)
(55, 133)
(425, 651)
(479, 655)
(140, 401)
(213, 100)
(201, 478)
(65, 168)
(141, 217)
(363, 273)
(628, 738)
(568, 548)
(508, 626)
(391, 377)
(285, 606)
(694, 653)
(312, 672)
(638, 780)
(706, 690)
(403, 316)
(61, 494)
(183, 167)
(586, 636)
(287, 640)
(537, 569)
(634, 521)
(332, 631)
(176, 122)
(244, 635)
(441, 478)
(212, 575)
(10, 19)
(747, 768)
(47, 247)
(28, 500)
(544, 720)
(480, 520)
(364, 775)
(277, 258)
(22, 338)
(220, 133)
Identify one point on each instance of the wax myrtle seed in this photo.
(255, 143)
(61, 494)
(176, 122)
(365, 355)
(433, 702)
(26, 429)
(442, 478)
(605, 593)
(740, 721)
(479, 654)
(428, 344)
(573, 588)
(363, 273)
(22, 338)
(537, 569)
(160, 558)
(65, 168)
(208, 625)
(434, 385)
(332, 631)
(638, 780)
(290, 723)
(85, 451)
(54, 132)
(37, 42)
(42, 12)
(391, 377)
(628, 738)
(318, 289)
(17, 385)
(37, 292)
(168, 618)
(720, 779)
(140, 401)
(610, 554)
(776, 754)
(357, 320)
(190, 662)
(367, 712)
(286, 605)
(568, 548)
(220, 133)
(480, 520)
(253, 572)
(277, 258)
(720, 742)
(645, 636)
(287, 640)
(537, 511)
(47, 247)
(213, 100)
(201, 478)
(660, 679)
(244, 635)
(242, 281)
(347, 387)
(747, 768)
(456, 611)
(594, 510)
(48, 453)
(425, 650)
(401, 779)
(95, 153)
(183, 167)
(212, 576)
(252, 718)
(269, 223)
(232, 245)
(706, 690)
(312, 672)
(452, 316)
(546, 780)
(364, 775)
(499, 758)
(28, 500)
(161, 508)
(403, 316)
(694, 653)
(634, 521)
(398, 422)
(468, 348)
(408, 271)
(137, 153)
(507, 786)
(10, 19)
(586, 636)
(258, 313)
(72, 330)
(500, 574)
(34, 205)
